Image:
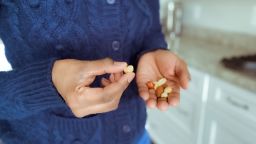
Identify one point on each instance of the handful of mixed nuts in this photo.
(162, 90)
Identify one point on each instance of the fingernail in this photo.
(174, 102)
(144, 98)
(130, 78)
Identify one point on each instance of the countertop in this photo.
(206, 57)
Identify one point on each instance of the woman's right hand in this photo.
(73, 77)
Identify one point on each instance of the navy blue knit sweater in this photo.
(38, 32)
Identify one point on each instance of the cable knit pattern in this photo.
(38, 32)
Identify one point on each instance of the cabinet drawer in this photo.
(185, 115)
(230, 98)
(220, 128)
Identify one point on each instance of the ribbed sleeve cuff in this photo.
(34, 89)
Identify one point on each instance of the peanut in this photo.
(168, 90)
(150, 85)
(129, 69)
(162, 99)
(159, 91)
(162, 90)
(164, 94)
(160, 82)
(155, 85)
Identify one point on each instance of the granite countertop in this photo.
(206, 57)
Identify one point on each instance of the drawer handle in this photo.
(237, 104)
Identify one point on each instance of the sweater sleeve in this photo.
(28, 90)
(154, 38)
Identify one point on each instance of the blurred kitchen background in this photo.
(217, 38)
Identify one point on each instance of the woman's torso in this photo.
(33, 30)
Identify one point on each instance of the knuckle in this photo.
(114, 106)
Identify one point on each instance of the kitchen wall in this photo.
(231, 22)
(4, 65)
(227, 15)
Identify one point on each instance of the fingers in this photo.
(112, 78)
(142, 87)
(111, 91)
(98, 100)
(118, 87)
(173, 98)
(115, 76)
(182, 72)
(95, 109)
(105, 82)
(143, 91)
(107, 65)
(152, 101)
(162, 105)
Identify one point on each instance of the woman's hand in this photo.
(158, 64)
(73, 77)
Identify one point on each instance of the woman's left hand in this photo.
(158, 64)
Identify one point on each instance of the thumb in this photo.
(183, 74)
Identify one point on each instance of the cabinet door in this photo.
(196, 85)
(239, 103)
(222, 128)
(164, 130)
(185, 116)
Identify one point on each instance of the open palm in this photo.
(158, 64)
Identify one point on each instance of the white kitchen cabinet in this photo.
(180, 125)
(222, 128)
(164, 130)
(241, 104)
(211, 111)
(230, 115)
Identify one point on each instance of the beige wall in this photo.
(227, 15)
